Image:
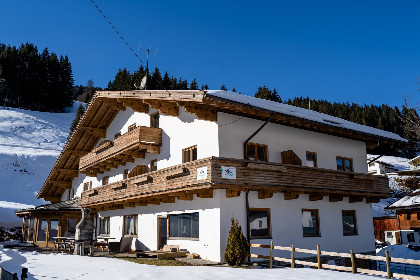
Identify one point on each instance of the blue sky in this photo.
(355, 51)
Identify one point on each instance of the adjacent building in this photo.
(173, 167)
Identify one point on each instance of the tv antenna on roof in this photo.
(148, 52)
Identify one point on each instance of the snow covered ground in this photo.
(30, 142)
(64, 266)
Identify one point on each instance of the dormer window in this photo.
(256, 152)
(154, 120)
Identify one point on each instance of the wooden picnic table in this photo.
(104, 244)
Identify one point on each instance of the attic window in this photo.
(329, 121)
(256, 152)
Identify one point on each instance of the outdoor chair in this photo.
(124, 245)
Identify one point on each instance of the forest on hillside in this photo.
(35, 80)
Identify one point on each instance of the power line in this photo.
(115, 29)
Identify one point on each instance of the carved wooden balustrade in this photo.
(110, 154)
(200, 177)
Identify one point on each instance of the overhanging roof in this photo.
(69, 205)
(105, 105)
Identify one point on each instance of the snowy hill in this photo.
(30, 142)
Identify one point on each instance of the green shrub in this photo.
(237, 246)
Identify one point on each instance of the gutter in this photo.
(248, 233)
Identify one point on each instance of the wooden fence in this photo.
(352, 256)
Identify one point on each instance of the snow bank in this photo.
(63, 266)
(398, 251)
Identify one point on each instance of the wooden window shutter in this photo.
(138, 170)
(289, 157)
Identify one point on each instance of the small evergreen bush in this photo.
(237, 246)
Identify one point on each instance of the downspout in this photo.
(248, 233)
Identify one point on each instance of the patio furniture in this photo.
(124, 245)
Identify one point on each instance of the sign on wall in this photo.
(228, 172)
(202, 173)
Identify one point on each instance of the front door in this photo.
(162, 231)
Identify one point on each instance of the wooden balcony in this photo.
(110, 154)
(182, 181)
(414, 224)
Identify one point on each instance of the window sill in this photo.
(353, 234)
(312, 236)
(184, 238)
(130, 235)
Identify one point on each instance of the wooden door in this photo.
(162, 231)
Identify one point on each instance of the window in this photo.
(418, 216)
(310, 222)
(311, 159)
(389, 234)
(154, 120)
(105, 180)
(125, 174)
(31, 229)
(131, 127)
(189, 154)
(349, 222)
(344, 164)
(259, 222)
(130, 225)
(87, 186)
(71, 227)
(153, 165)
(256, 152)
(184, 225)
(104, 226)
(408, 216)
(410, 237)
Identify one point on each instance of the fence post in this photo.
(292, 264)
(388, 266)
(271, 254)
(318, 252)
(353, 262)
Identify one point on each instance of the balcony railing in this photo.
(238, 175)
(130, 145)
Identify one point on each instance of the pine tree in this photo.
(79, 114)
(223, 87)
(193, 84)
(237, 246)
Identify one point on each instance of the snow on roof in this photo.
(410, 201)
(302, 113)
(399, 163)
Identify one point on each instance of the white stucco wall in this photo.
(178, 133)
(234, 130)
(207, 246)
(286, 223)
